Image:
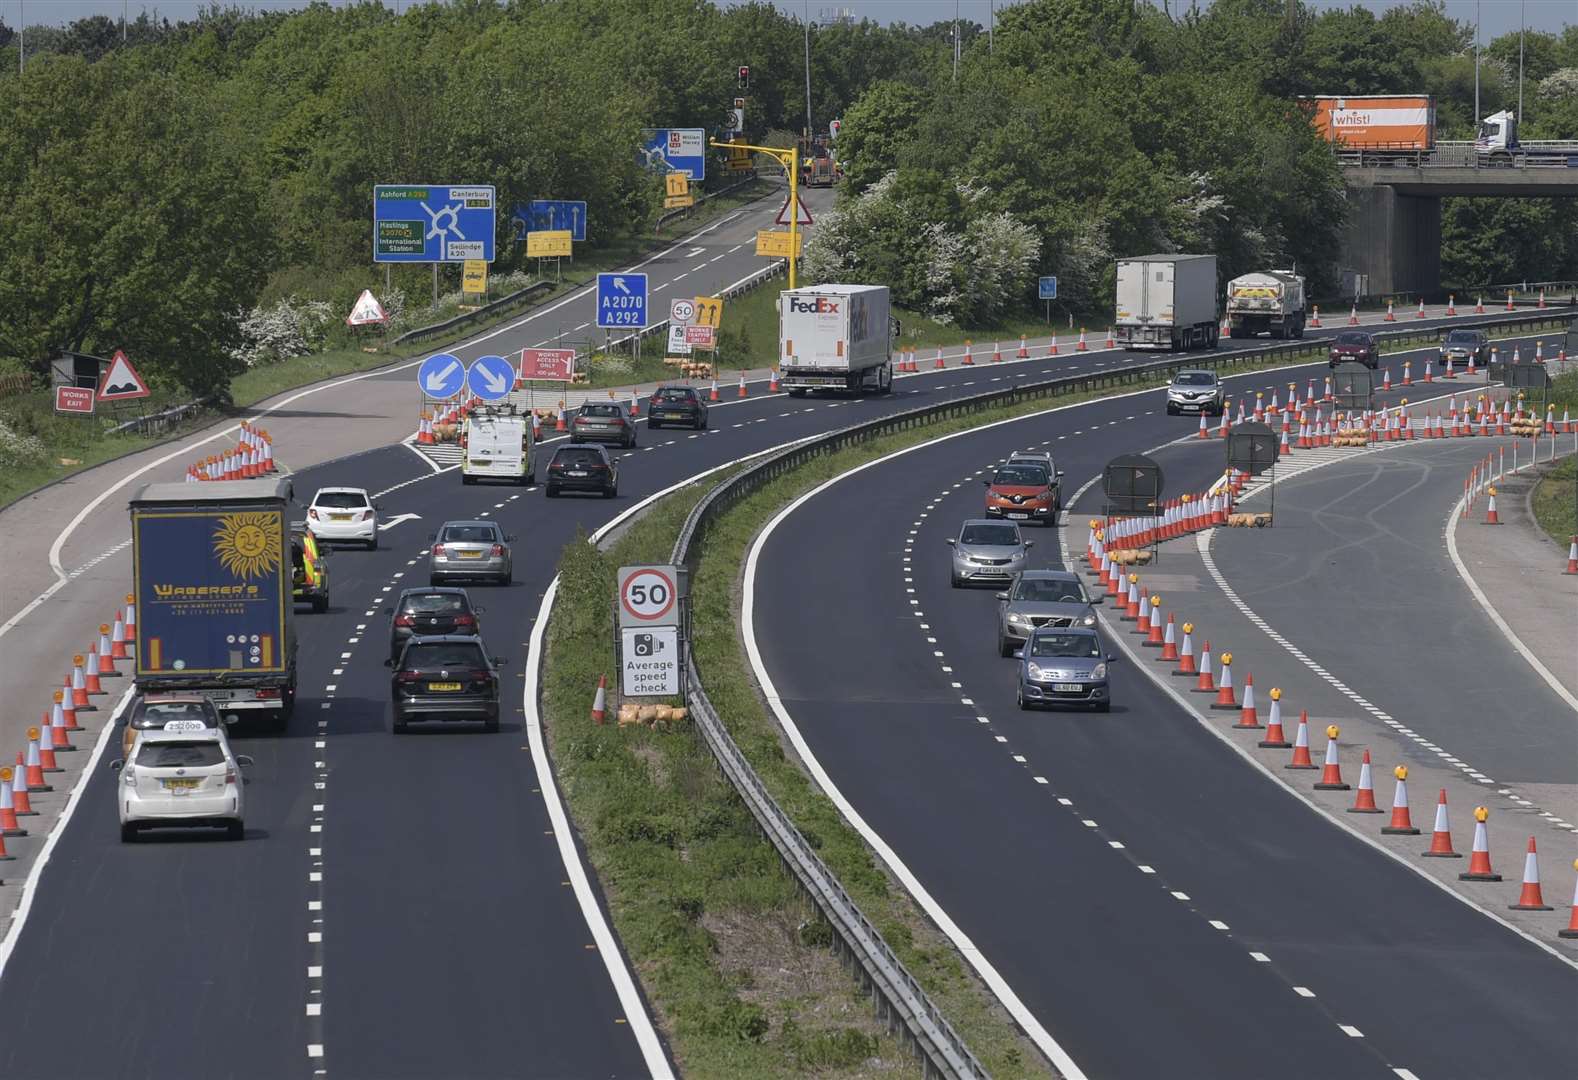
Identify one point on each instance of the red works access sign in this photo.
(549, 365)
(75, 399)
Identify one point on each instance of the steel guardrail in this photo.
(478, 315)
(902, 1002)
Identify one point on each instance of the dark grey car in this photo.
(430, 611)
(1459, 345)
(677, 405)
(1064, 667)
(445, 678)
(582, 468)
(603, 422)
(1037, 598)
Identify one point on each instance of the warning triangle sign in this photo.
(367, 310)
(121, 382)
(803, 216)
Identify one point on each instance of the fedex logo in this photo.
(820, 305)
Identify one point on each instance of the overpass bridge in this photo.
(1394, 202)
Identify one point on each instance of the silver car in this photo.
(1064, 667)
(1037, 598)
(1195, 392)
(471, 550)
(1459, 345)
(988, 552)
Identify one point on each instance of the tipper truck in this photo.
(835, 337)
(1266, 301)
(212, 575)
(1167, 302)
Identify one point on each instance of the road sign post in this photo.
(652, 613)
(441, 376)
(426, 223)
(121, 381)
(789, 158)
(75, 400)
(1048, 293)
(554, 215)
(681, 150)
(622, 300)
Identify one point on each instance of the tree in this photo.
(876, 128)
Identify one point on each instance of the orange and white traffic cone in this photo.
(1331, 774)
(79, 687)
(1390, 316)
(1479, 858)
(1353, 315)
(1509, 300)
(714, 395)
(1205, 684)
(1421, 312)
(64, 717)
(969, 353)
(1169, 642)
(131, 617)
(1154, 639)
(1451, 305)
(1479, 305)
(1204, 431)
(1441, 836)
(1364, 798)
(1491, 518)
(1132, 605)
(997, 352)
(1572, 922)
(743, 391)
(1052, 348)
(19, 796)
(1530, 899)
(1186, 652)
(33, 766)
(1401, 824)
(106, 661)
(118, 639)
(1408, 372)
(772, 380)
(1301, 744)
(46, 746)
(600, 701)
(1111, 342)
(941, 363)
(1225, 698)
(1024, 350)
(1315, 318)
(1542, 299)
(9, 826)
(1081, 346)
(1248, 718)
(1275, 738)
(1142, 616)
(1572, 557)
(90, 675)
(635, 404)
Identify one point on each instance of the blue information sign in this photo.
(491, 378)
(622, 300)
(441, 376)
(676, 150)
(554, 215)
(1048, 288)
(425, 223)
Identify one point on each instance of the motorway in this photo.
(1141, 878)
(380, 876)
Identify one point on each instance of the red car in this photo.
(1354, 347)
(1023, 491)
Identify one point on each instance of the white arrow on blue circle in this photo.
(491, 377)
(441, 375)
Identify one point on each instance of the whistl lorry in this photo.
(1167, 302)
(498, 445)
(212, 575)
(1375, 121)
(1266, 301)
(835, 337)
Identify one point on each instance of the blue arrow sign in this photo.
(554, 215)
(1048, 288)
(491, 378)
(425, 223)
(676, 149)
(622, 300)
(441, 376)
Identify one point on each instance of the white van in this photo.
(498, 445)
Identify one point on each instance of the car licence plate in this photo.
(180, 785)
(469, 554)
(575, 472)
(1067, 687)
(441, 687)
(1018, 517)
(339, 517)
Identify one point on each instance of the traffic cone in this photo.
(1052, 348)
(1390, 317)
(1491, 517)
(90, 675)
(941, 363)
(714, 395)
(1301, 744)
(1441, 837)
(1331, 775)
(1205, 685)
(1572, 557)
(600, 701)
(1530, 899)
(1353, 315)
(106, 662)
(969, 353)
(635, 404)
(1226, 330)
(1132, 605)
(1401, 824)
(1186, 653)
(1364, 799)
(46, 746)
(1386, 382)
(1542, 299)
(1225, 699)
(33, 765)
(131, 617)
(561, 421)
(1024, 351)
(1081, 346)
(79, 687)
(118, 639)
(1315, 318)
(997, 352)
(1275, 738)
(1142, 615)
(1204, 431)
(1247, 717)
(1169, 642)
(1154, 639)
(1479, 858)
(742, 385)
(4, 857)
(1451, 305)
(1421, 312)
(1111, 342)
(64, 717)
(1572, 922)
(1479, 306)
(772, 379)
(20, 799)
(1408, 372)
(9, 826)
(1509, 300)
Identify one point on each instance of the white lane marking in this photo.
(1260, 957)
(1146, 869)
(1180, 895)
(1220, 925)
(1351, 1031)
(693, 252)
(1303, 991)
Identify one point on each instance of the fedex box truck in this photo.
(835, 337)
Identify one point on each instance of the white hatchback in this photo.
(181, 775)
(343, 513)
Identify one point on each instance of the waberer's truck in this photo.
(835, 337)
(215, 616)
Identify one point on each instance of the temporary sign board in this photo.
(677, 346)
(491, 378)
(441, 376)
(676, 183)
(427, 223)
(709, 311)
(701, 337)
(677, 150)
(678, 202)
(1252, 448)
(74, 399)
(366, 310)
(121, 381)
(547, 245)
(777, 244)
(474, 277)
(622, 300)
(649, 595)
(548, 365)
(649, 661)
(554, 215)
(803, 216)
(1132, 483)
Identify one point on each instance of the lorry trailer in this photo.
(1167, 302)
(835, 337)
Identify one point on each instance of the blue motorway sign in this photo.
(676, 150)
(1048, 288)
(622, 300)
(424, 223)
(554, 215)
(441, 376)
(491, 378)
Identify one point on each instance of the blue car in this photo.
(1065, 665)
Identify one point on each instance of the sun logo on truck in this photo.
(248, 544)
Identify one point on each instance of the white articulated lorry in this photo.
(1266, 301)
(835, 337)
(1167, 302)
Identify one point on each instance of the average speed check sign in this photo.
(649, 595)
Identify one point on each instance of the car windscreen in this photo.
(344, 500)
(180, 755)
(159, 713)
(1353, 339)
(1050, 591)
(1071, 645)
(1194, 378)
(674, 394)
(1463, 337)
(1021, 476)
(579, 456)
(1005, 535)
(434, 603)
(599, 410)
(442, 654)
(476, 534)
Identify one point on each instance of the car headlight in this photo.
(1034, 671)
(1016, 618)
(1099, 672)
(1088, 620)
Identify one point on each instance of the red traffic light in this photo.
(745, 76)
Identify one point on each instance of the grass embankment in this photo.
(49, 447)
(1555, 500)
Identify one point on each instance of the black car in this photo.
(1460, 345)
(582, 468)
(430, 611)
(677, 405)
(603, 422)
(1354, 347)
(445, 677)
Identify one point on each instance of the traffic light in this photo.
(745, 77)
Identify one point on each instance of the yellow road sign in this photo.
(709, 311)
(777, 244)
(678, 183)
(548, 243)
(672, 202)
(474, 277)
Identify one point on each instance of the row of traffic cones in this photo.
(251, 457)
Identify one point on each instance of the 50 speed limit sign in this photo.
(649, 595)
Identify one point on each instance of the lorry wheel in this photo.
(491, 726)
(468, 480)
(1298, 329)
(796, 391)
(129, 833)
(1278, 332)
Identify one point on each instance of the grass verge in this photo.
(1555, 501)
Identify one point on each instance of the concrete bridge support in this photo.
(1394, 238)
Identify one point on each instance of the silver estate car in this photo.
(476, 550)
(1064, 666)
(1037, 598)
(1195, 392)
(988, 552)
